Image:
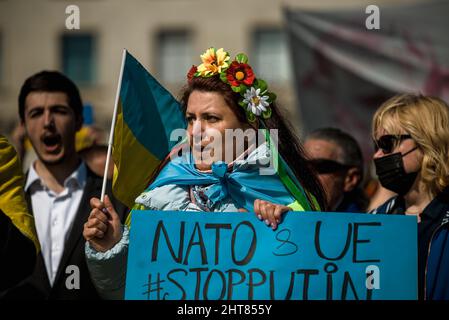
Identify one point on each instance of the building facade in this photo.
(166, 36)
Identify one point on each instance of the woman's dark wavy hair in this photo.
(289, 145)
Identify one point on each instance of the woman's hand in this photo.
(269, 212)
(103, 229)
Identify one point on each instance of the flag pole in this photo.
(111, 134)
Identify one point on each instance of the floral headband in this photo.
(255, 97)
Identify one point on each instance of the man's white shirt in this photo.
(54, 214)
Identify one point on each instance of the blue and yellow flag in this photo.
(147, 114)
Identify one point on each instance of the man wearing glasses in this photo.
(337, 159)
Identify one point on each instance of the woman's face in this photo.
(208, 116)
(412, 161)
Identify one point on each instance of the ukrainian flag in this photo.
(146, 116)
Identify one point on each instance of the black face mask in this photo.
(391, 173)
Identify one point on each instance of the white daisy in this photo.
(255, 102)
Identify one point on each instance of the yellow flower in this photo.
(214, 61)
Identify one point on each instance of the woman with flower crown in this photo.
(214, 173)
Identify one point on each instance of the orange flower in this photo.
(214, 62)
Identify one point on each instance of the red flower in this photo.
(238, 73)
(191, 73)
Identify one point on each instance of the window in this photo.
(271, 56)
(175, 55)
(78, 58)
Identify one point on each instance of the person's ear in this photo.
(78, 123)
(22, 125)
(352, 179)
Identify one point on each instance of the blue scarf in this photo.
(242, 185)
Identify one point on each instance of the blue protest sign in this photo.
(234, 256)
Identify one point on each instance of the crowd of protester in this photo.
(48, 202)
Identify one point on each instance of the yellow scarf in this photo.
(12, 196)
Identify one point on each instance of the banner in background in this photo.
(343, 71)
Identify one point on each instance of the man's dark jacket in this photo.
(73, 250)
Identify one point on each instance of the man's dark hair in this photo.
(352, 155)
(51, 81)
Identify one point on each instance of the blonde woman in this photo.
(411, 134)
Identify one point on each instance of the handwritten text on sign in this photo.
(326, 256)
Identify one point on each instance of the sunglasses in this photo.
(388, 142)
(322, 166)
